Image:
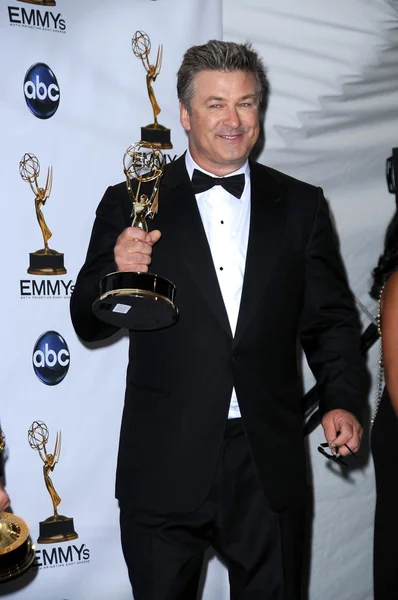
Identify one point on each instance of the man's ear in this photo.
(184, 117)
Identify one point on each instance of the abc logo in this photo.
(51, 358)
(41, 91)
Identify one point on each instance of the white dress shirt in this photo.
(226, 222)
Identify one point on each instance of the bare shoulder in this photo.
(389, 299)
(390, 293)
(389, 327)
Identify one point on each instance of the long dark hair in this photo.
(388, 261)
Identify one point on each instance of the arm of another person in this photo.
(4, 498)
(330, 335)
(114, 246)
(389, 329)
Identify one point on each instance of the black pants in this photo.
(261, 549)
(385, 457)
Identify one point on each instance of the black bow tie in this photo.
(201, 182)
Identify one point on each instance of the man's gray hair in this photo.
(220, 56)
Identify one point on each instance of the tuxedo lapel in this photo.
(189, 237)
(267, 219)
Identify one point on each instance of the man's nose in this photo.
(231, 117)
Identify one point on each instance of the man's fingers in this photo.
(348, 439)
(133, 250)
(154, 236)
(341, 430)
(329, 430)
(133, 233)
(133, 262)
(344, 434)
(133, 247)
(347, 450)
(347, 444)
(139, 258)
(137, 234)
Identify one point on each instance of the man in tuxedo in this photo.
(211, 446)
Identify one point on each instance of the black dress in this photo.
(384, 442)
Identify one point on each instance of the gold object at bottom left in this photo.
(57, 528)
(16, 550)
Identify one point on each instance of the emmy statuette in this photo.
(56, 528)
(16, 550)
(133, 300)
(44, 261)
(154, 133)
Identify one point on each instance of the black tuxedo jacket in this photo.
(179, 379)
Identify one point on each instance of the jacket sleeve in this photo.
(329, 328)
(111, 219)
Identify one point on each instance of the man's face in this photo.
(223, 123)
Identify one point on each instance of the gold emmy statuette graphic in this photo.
(56, 528)
(155, 134)
(44, 261)
(40, 2)
(16, 550)
(133, 300)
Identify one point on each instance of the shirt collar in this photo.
(191, 165)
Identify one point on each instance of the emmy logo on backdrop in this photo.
(56, 528)
(142, 301)
(44, 261)
(16, 550)
(155, 134)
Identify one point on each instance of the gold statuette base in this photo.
(46, 262)
(40, 2)
(16, 550)
(56, 529)
(138, 301)
(157, 135)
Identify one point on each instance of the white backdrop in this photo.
(103, 104)
(332, 121)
